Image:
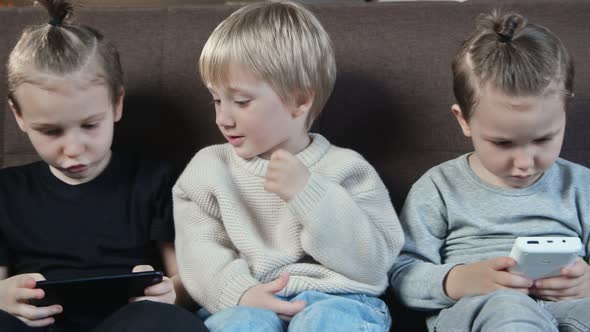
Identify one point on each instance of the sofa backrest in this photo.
(392, 97)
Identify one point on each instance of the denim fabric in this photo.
(323, 313)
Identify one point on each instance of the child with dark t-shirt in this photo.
(82, 211)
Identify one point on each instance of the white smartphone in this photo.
(543, 257)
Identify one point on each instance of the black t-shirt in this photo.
(102, 227)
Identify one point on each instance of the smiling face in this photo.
(255, 120)
(516, 139)
(70, 124)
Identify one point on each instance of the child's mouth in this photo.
(76, 168)
(235, 140)
(522, 177)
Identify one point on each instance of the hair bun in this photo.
(59, 10)
(508, 26)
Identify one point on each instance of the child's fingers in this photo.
(270, 184)
(557, 283)
(26, 294)
(281, 159)
(525, 291)
(278, 284)
(575, 271)
(141, 298)
(146, 298)
(286, 308)
(162, 292)
(272, 180)
(555, 293)
(512, 280)
(279, 154)
(161, 288)
(36, 276)
(39, 322)
(27, 280)
(285, 318)
(299, 304)
(502, 263)
(33, 313)
(142, 268)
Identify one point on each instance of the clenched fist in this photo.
(286, 176)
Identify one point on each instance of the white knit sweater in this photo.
(339, 235)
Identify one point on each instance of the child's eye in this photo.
(542, 140)
(503, 144)
(90, 125)
(50, 132)
(242, 103)
(217, 101)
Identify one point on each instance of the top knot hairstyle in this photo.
(506, 29)
(60, 48)
(282, 43)
(513, 56)
(59, 11)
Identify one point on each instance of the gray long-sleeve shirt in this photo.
(451, 217)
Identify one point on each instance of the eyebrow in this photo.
(235, 89)
(229, 88)
(43, 126)
(500, 138)
(94, 117)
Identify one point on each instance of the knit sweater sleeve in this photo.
(349, 224)
(418, 275)
(210, 268)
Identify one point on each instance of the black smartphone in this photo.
(96, 294)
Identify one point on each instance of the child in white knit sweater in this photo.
(279, 229)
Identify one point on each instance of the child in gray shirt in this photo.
(512, 82)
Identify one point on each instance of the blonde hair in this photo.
(512, 56)
(282, 43)
(61, 48)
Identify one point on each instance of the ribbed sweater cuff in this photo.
(310, 196)
(233, 291)
(439, 286)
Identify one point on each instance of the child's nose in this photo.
(523, 160)
(223, 117)
(73, 146)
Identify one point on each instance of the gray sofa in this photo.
(391, 101)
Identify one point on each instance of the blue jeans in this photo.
(323, 313)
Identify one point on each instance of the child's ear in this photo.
(456, 109)
(17, 115)
(303, 102)
(119, 105)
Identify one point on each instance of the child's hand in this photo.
(263, 296)
(286, 176)
(15, 294)
(162, 292)
(573, 283)
(484, 277)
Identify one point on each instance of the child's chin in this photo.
(245, 154)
